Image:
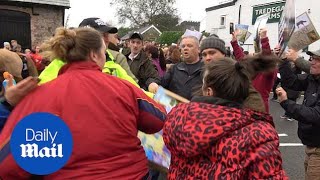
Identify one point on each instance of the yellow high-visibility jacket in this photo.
(110, 67)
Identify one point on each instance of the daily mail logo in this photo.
(33, 150)
(41, 143)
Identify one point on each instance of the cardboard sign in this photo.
(287, 25)
(243, 33)
(196, 34)
(305, 33)
(261, 22)
(156, 151)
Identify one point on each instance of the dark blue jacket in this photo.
(183, 82)
(307, 113)
(4, 113)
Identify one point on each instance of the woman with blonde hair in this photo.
(92, 104)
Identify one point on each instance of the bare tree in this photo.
(141, 12)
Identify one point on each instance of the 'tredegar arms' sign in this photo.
(274, 9)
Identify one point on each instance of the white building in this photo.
(218, 18)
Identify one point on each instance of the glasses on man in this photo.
(316, 58)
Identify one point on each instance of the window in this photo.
(223, 21)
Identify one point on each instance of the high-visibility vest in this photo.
(110, 67)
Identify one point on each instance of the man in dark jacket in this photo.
(308, 113)
(291, 94)
(141, 66)
(185, 77)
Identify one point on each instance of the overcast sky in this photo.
(188, 10)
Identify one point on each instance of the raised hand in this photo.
(292, 55)
(153, 87)
(263, 33)
(282, 94)
(15, 93)
(235, 34)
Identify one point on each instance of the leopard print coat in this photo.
(210, 141)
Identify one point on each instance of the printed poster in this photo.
(287, 25)
(305, 33)
(153, 145)
(242, 32)
(261, 22)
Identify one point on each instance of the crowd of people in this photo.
(225, 132)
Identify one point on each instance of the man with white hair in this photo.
(308, 113)
(6, 45)
(184, 76)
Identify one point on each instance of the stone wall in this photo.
(44, 20)
(43, 26)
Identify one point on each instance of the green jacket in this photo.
(254, 100)
(144, 70)
(120, 59)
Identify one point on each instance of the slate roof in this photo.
(141, 31)
(231, 3)
(62, 3)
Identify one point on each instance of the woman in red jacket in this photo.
(103, 113)
(214, 137)
(263, 81)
